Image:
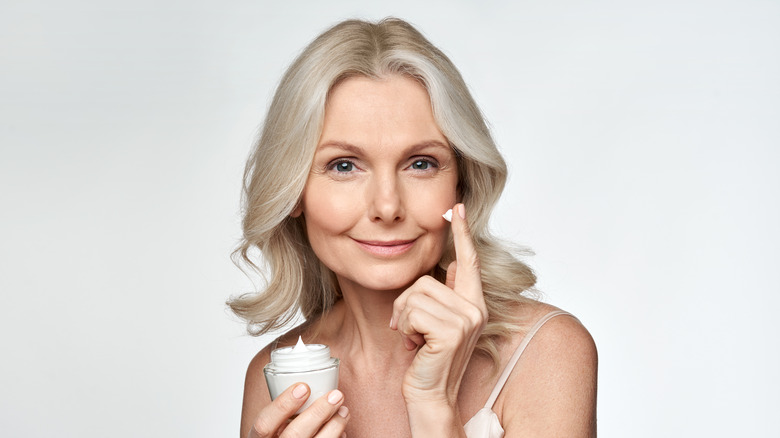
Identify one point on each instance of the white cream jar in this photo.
(310, 364)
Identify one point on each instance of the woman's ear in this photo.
(297, 211)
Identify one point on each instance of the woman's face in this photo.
(382, 176)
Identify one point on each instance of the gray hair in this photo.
(278, 168)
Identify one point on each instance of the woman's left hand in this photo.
(444, 321)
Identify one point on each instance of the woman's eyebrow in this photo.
(357, 150)
(348, 147)
(429, 144)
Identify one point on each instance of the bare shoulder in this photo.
(562, 338)
(552, 389)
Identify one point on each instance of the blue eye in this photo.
(344, 166)
(420, 165)
(424, 164)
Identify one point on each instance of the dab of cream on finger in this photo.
(447, 215)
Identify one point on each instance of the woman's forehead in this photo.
(395, 109)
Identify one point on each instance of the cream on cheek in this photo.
(429, 217)
(428, 199)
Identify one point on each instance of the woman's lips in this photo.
(386, 248)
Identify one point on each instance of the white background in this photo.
(643, 142)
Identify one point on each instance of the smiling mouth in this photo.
(386, 248)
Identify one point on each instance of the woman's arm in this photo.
(552, 389)
(445, 322)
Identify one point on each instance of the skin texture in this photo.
(382, 176)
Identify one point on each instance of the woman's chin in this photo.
(384, 282)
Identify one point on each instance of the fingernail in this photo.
(462, 211)
(300, 391)
(391, 322)
(343, 411)
(335, 396)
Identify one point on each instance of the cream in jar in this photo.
(310, 364)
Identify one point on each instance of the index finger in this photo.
(468, 278)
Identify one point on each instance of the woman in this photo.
(371, 136)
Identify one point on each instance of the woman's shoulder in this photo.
(550, 334)
(554, 376)
(552, 326)
(537, 322)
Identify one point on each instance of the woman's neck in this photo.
(360, 326)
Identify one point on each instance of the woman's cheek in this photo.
(430, 211)
(332, 207)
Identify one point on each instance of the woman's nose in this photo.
(385, 199)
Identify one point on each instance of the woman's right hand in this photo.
(326, 417)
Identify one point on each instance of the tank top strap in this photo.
(518, 352)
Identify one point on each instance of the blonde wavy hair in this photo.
(277, 170)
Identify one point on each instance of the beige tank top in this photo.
(485, 424)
